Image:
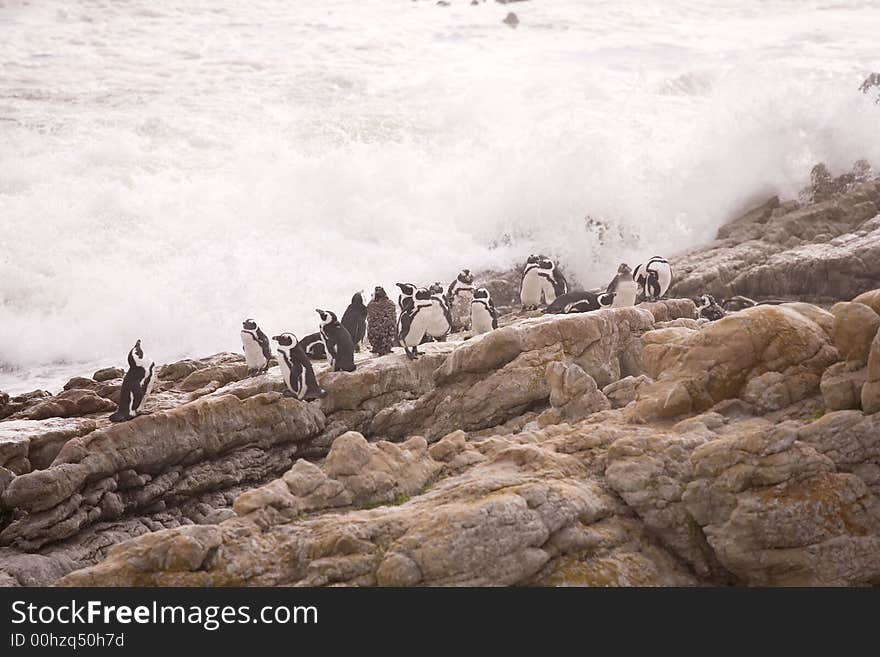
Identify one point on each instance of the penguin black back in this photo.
(354, 319)
(337, 341)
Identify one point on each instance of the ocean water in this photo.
(168, 169)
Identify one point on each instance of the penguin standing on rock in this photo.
(136, 385)
(653, 278)
(484, 317)
(708, 309)
(296, 369)
(257, 351)
(417, 316)
(354, 319)
(459, 296)
(623, 288)
(337, 342)
(407, 296)
(313, 346)
(381, 322)
(541, 278)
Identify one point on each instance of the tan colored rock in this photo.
(841, 386)
(696, 369)
(871, 389)
(622, 392)
(855, 325)
(821, 317)
(870, 299)
(219, 375)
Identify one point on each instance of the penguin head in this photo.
(624, 269)
(436, 288)
(357, 298)
(605, 300)
(407, 289)
(481, 293)
(465, 277)
(326, 316)
(379, 293)
(286, 341)
(249, 325)
(136, 354)
(703, 301)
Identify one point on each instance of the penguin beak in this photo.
(276, 337)
(138, 343)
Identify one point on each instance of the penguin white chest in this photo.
(625, 294)
(481, 318)
(417, 327)
(438, 325)
(253, 352)
(532, 286)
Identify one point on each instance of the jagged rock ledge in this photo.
(71, 487)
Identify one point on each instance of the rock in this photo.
(218, 375)
(778, 347)
(855, 325)
(35, 443)
(821, 317)
(5, 477)
(218, 441)
(622, 392)
(871, 299)
(775, 512)
(108, 374)
(851, 440)
(841, 386)
(70, 403)
(20, 403)
(573, 394)
(871, 389)
(511, 19)
(835, 255)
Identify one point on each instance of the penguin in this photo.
(407, 294)
(708, 309)
(540, 278)
(581, 301)
(413, 323)
(437, 288)
(296, 369)
(313, 347)
(653, 278)
(136, 385)
(354, 319)
(441, 318)
(337, 342)
(459, 296)
(381, 322)
(484, 317)
(623, 287)
(257, 351)
(736, 303)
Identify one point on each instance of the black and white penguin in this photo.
(313, 346)
(581, 301)
(540, 278)
(406, 298)
(257, 351)
(413, 323)
(653, 278)
(708, 309)
(736, 303)
(441, 318)
(136, 385)
(354, 319)
(623, 287)
(484, 316)
(459, 295)
(381, 322)
(296, 368)
(337, 342)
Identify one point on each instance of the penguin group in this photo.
(649, 281)
(422, 314)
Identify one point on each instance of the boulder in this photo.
(108, 374)
(871, 389)
(841, 386)
(855, 325)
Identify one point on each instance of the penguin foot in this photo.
(118, 417)
(288, 394)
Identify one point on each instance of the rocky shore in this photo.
(631, 446)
